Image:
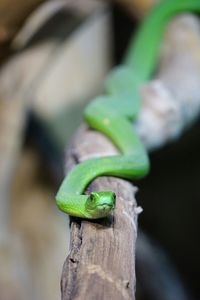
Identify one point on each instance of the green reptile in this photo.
(113, 114)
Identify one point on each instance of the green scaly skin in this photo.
(113, 115)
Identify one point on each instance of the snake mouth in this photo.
(105, 206)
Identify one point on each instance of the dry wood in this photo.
(101, 264)
(171, 101)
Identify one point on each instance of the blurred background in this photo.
(54, 56)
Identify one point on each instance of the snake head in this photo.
(100, 204)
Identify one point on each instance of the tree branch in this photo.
(99, 255)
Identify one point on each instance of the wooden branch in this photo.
(101, 264)
(171, 101)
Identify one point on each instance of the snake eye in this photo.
(114, 199)
(92, 197)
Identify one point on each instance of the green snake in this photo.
(113, 114)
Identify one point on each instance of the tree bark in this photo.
(101, 263)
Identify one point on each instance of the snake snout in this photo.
(100, 204)
(107, 200)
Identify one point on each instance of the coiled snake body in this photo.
(113, 114)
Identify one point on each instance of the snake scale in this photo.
(113, 114)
